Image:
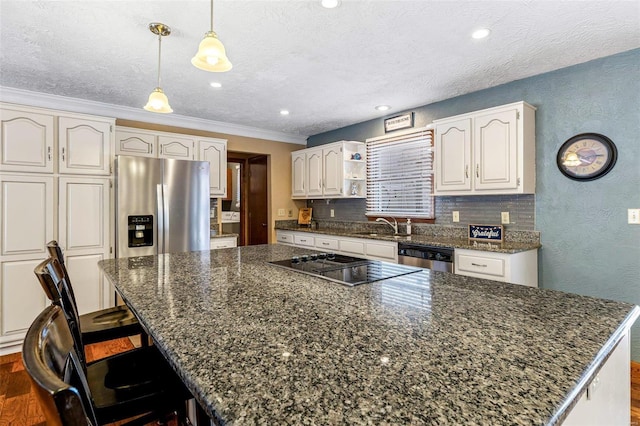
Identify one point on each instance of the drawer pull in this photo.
(477, 264)
(303, 241)
(324, 243)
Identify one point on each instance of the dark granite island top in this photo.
(257, 344)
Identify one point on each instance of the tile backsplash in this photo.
(477, 209)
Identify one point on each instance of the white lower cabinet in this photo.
(83, 234)
(516, 268)
(358, 247)
(284, 237)
(606, 401)
(22, 299)
(223, 242)
(31, 216)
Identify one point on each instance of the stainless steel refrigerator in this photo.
(162, 206)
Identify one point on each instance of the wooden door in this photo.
(257, 208)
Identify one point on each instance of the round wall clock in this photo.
(587, 156)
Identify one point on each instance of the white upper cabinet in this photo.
(215, 152)
(298, 170)
(26, 140)
(333, 167)
(335, 170)
(135, 142)
(487, 152)
(180, 148)
(84, 146)
(453, 145)
(314, 173)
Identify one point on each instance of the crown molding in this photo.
(45, 100)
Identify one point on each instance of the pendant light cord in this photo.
(212, 15)
(159, 56)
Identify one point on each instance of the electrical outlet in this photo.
(505, 218)
(290, 213)
(634, 216)
(281, 212)
(333, 213)
(455, 216)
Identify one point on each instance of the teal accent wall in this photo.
(587, 245)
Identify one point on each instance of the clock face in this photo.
(586, 156)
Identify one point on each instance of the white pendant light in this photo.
(211, 55)
(158, 101)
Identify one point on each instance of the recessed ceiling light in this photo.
(284, 112)
(330, 4)
(383, 107)
(481, 33)
(215, 84)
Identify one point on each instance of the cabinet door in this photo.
(453, 156)
(215, 152)
(26, 141)
(314, 173)
(333, 166)
(84, 236)
(496, 150)
(84, 146)
(27, 215)
(140, 144)
(298, 160)
(21, 295)
(175, 147)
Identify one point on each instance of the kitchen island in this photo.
(257, 344)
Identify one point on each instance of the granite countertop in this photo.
(213, 237)
(258, 344)
(450, 242)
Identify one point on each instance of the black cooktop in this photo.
(345, 270)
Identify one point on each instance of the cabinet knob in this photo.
(477, 170)
(62, 153)
(466, 171)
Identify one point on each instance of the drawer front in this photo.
(218, 243)
(481, 265)
(326, 243)
(383, 251)
(285, 238)
(304, 240)
(353, 247)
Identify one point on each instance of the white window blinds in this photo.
(400, 175)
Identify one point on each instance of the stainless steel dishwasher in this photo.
(429, 257)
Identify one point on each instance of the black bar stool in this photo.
(72, 393)
(105, 324)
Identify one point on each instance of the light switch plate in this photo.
(333, 213)
(634, 216)
(505, 218)
(455, 216)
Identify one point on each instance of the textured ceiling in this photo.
(329, 67)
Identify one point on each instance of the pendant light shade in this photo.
(158, 101)
(211, 55)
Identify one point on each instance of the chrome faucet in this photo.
(394, 225)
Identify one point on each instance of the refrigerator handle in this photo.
(160, 220)
(165, 208)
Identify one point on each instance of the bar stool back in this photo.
(69, 395)
(105, 324)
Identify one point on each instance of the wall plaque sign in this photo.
(398, 122)
(493, 233)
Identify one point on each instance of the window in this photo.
(400, 175)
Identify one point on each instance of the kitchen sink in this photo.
(378, 234)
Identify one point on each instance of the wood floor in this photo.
(18, 405)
